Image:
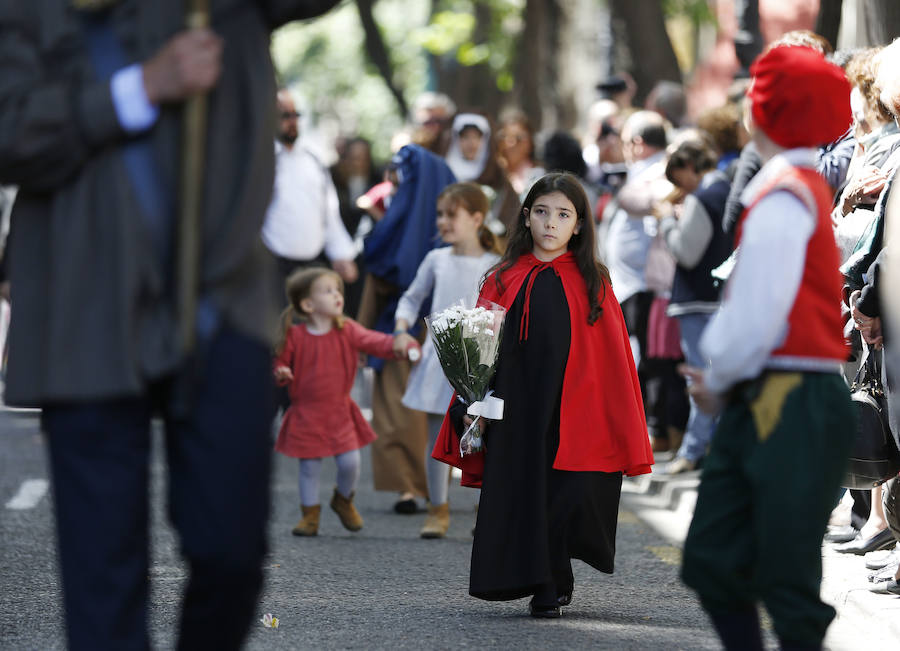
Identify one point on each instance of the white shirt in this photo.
(304, 215)
(761, 291)
(133, 107)
(447, 278)
(632, 229)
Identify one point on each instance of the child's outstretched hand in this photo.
(283, 375)
(402, 343)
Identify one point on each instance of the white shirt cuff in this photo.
(714, 383)
(133, 108)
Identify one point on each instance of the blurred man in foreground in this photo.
(90, 128)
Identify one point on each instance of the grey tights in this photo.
(348, 468)
(436, 472)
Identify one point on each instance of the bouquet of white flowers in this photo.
(467, 341)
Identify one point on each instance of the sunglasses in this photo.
(607, 130)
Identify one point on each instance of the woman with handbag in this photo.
(882, 529)
(865, 310)
(862, 269)
(888, 78)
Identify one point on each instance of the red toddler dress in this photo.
(322, 420)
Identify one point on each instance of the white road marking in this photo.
(30, 493)
(27, 411)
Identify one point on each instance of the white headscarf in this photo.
(468, 170)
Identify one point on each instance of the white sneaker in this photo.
(680, 465)
(880, 558)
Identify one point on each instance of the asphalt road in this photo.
(380, 588)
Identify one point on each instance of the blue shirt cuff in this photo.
(133, 108)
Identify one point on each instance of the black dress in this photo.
(533, 519)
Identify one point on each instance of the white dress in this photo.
(447, 278)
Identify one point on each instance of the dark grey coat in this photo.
(89, 320)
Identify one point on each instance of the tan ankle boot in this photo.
(309, 525)
(343, 506)
(437, 521)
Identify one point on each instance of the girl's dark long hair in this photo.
(583, 244)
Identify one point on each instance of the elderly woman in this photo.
(866, 306)
(858, 226)
(877, 136)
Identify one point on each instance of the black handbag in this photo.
(874, 457)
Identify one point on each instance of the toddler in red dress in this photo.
(317, 359)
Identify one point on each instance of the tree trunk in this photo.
(748, 40)
(652, 56)
(559, 60)
(882, 20)
(378, 54)
(475, 87)
(828, 22)
(533, 52)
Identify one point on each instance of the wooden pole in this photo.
(191, 197)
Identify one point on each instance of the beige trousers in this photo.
(398, 454)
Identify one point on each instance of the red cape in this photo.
(602, 425)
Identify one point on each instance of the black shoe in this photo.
(544, 612)
(406, 507)
(565, 598)
(880, 540)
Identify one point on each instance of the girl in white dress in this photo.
(446, 275)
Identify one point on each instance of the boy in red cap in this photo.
(775, 350)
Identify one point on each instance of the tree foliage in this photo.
(354, 80)
(454, 32)
(697, 11)
(342, 92)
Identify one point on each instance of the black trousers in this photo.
(219, 460)
(636, 312)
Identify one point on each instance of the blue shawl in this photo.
(399, 242)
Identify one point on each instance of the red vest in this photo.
(815, 328)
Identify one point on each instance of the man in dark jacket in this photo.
(90, 99)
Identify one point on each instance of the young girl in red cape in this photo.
(573, 422)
